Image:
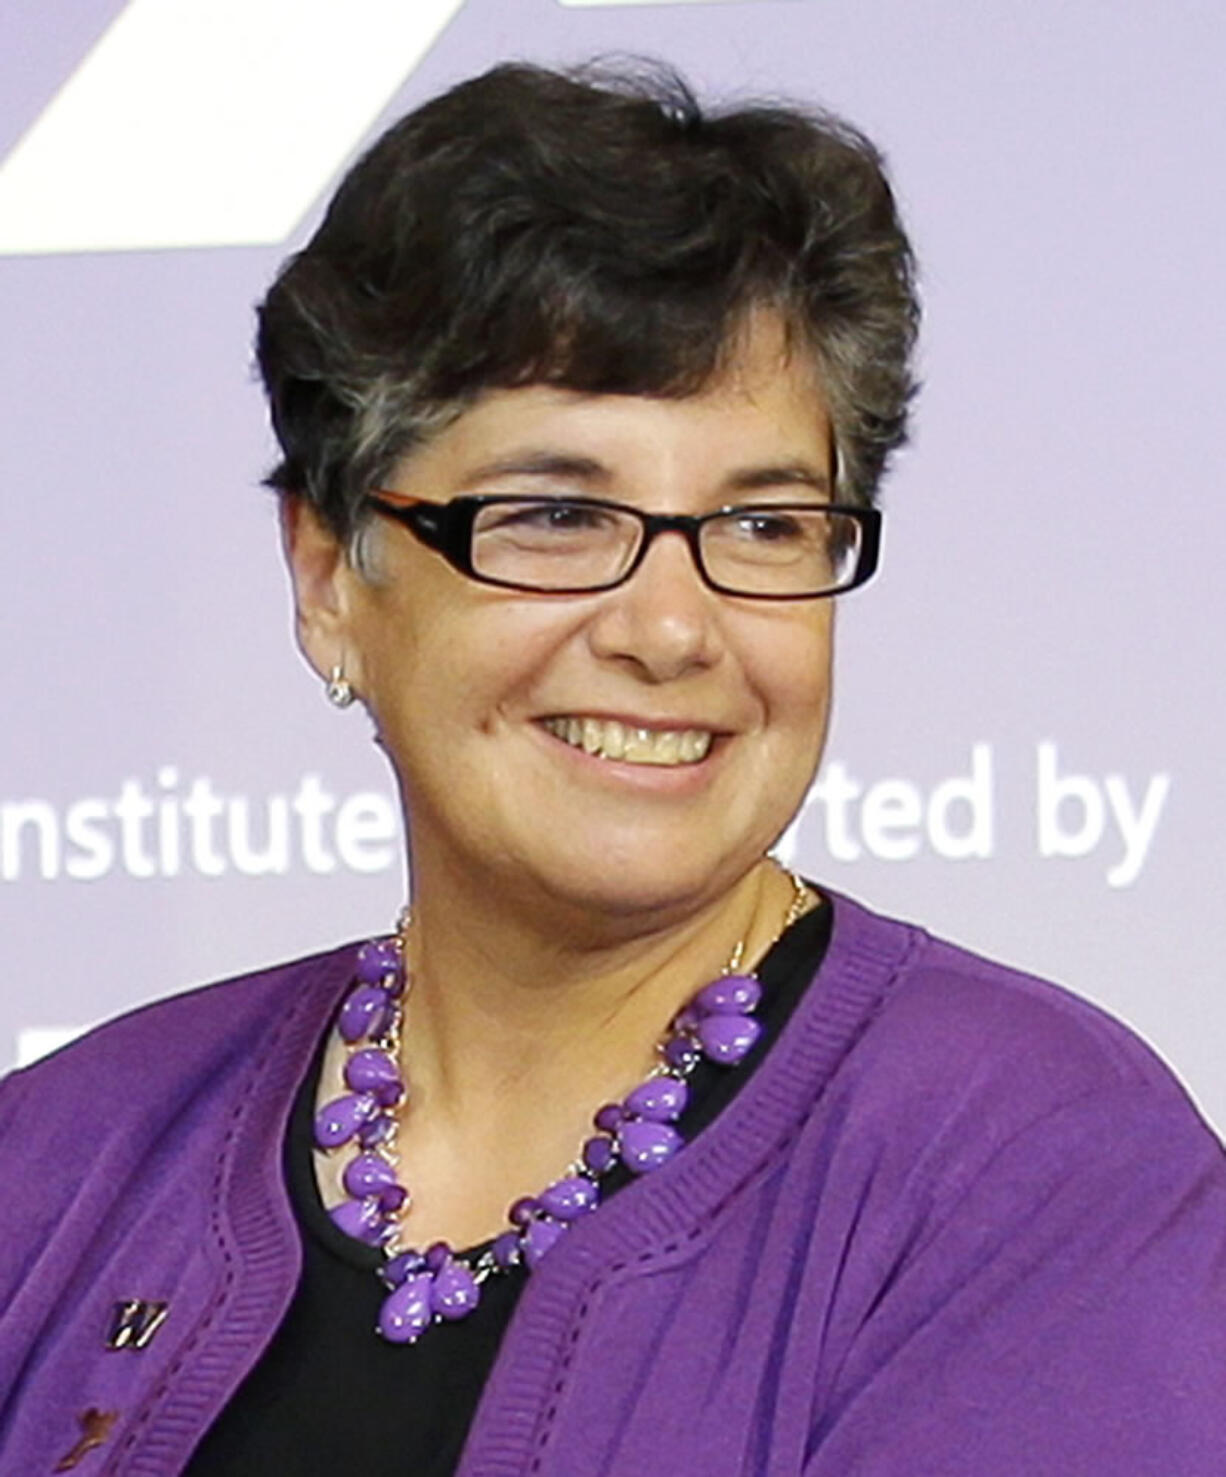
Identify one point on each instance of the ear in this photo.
(323, 581)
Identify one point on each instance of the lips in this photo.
(608, 738)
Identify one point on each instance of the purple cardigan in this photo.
(959, 1222)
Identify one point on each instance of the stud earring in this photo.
(338, 689)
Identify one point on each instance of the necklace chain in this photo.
(440, 1284)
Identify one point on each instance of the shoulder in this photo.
(962, 1044)
(1020, 1196)
(171, 1047)
(991, 1125)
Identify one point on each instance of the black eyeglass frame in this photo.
(447, 528)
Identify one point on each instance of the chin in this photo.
(642, 879)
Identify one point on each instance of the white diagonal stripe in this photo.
(208, 122)
(39, 1041)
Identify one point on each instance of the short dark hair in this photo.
(595, 229)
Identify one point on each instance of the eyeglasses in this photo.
(578, 545)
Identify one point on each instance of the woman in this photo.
(583, 397)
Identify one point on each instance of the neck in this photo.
(514, 1034)
(506, 1005)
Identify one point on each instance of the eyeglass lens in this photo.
(552, 545)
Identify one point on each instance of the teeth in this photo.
(613, 740)
(693, 745)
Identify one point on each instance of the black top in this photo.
(329, 1394)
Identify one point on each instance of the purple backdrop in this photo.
(1030, 704)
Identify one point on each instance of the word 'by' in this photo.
(1074, 814)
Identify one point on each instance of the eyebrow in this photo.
(798, 473)
(587, 470)
(539, 464)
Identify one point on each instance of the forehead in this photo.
(766, 402)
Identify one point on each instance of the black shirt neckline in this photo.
(711, 1086)
(328, 1394)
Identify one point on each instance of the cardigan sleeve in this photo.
(1061, 1311)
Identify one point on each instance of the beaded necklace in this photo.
(439, 1284)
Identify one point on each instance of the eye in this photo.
(548, 515)
(767, 526)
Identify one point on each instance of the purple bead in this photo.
(392, 1198)
(367, 1012)
(734, 994)
(538, 1238)
(505, 1249)
(726, 1038)
(645, 1145)
(523, 1210)
(406, 1313)
(681, 1053)
(598, 1154)
(570, 1198)
(376, 1130)
(455, 1292)
(367, 1175)
(659, 1099)
(376, 960)
(360, 1219)
(399, 1267)
(338, 1121)
(372, 1070)
(608, 1117)
(685, 1019)
(438, 1254)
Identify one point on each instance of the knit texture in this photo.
(958, 1222)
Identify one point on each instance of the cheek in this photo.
(466, 660)
(800, 719)
(792, 663)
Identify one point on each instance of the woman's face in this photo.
(467, 684)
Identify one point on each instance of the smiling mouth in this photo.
(606, 738)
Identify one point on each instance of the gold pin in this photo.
(134, 1322)
(95, 1428)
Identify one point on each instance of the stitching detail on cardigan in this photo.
(559, 1384)
(654, 1254)
(209, 1317)
(641, 1260)
(140, 1422)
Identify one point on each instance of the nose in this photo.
(664, 622)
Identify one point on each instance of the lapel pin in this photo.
(134, 1322)
(95, 1428)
